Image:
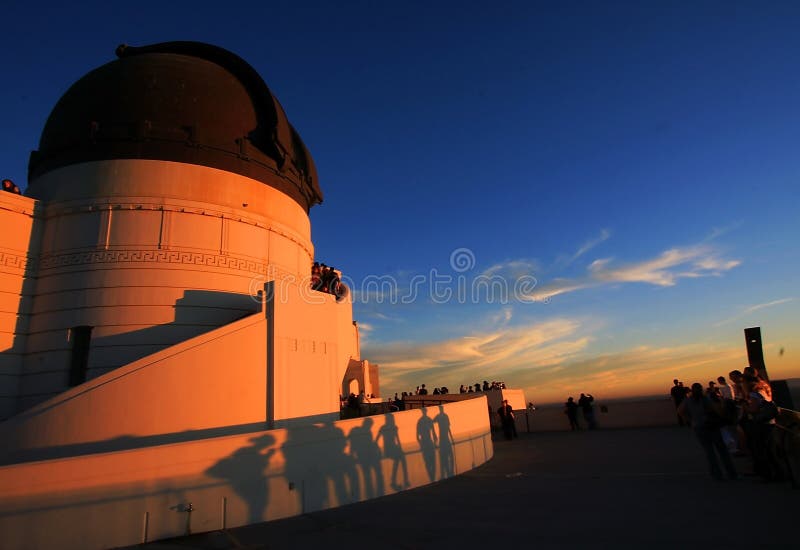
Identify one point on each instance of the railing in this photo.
(412, 402)
(786, 443)
(366, 409)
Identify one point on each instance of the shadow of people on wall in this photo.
(341, 468)
(244, 472)
(446, 459)
(426, 437)
(316, 458)
(393, 449)
(367, 455)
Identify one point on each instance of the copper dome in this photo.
(184, 102)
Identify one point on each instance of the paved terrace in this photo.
(636, 488)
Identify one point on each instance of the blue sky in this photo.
(638, 160)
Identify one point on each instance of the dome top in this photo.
(184, 102)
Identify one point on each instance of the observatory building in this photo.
(169, 362)
(167, 190)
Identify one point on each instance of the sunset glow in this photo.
(582, 197)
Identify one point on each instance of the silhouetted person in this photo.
(506, 414)
(758, 424)
(678, 393)
(571, 410)
(426, 437)
(699, 410)
(585, 403)
(729, 432)
(393, 449)
(736, 385)
(352, 404)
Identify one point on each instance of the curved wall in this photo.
(18, 233)
(144, 494)
(150, 253)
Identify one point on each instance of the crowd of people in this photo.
(477, 387)
(731, 418)
(397, 403)
(586, 405)
(356, 404)
(11, 187)
(325, 279)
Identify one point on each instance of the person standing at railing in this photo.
(699, 411)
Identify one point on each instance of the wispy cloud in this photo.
(565, 260)
(719, 231)
(663, 270)
(768, 304)
(480, 355)
(750, 309)
(383, 317)
(364, 331)
(591, 243)
(559, 286)
(511, 269)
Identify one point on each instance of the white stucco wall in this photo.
(216, 380)
(126, 497)
(17, 234)
(279, 366)
(149, 253)
(314, 341)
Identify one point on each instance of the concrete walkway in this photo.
(639, 488)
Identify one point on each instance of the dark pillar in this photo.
(755, 353)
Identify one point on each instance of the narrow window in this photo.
(79, 361)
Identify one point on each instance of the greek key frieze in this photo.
(16, 261)
(150, 256)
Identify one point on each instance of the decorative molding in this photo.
(248, 265)
(22, 262)
(15, 261)
(57, 210)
